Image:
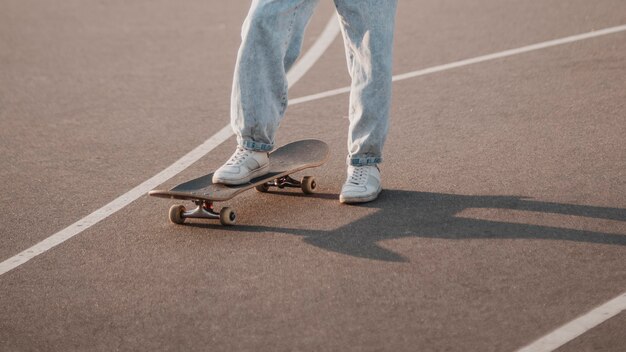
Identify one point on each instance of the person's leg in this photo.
(271, 40)
(368, 28)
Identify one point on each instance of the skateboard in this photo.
(286, 160)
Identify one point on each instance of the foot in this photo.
(242, 166)
(363, 185)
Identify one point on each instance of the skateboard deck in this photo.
(284, 161)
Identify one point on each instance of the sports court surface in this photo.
(502, 225)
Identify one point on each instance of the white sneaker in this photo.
(362, 185)
(242, 166)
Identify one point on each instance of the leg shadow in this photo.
(433, 215)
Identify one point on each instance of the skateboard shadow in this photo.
(434, 215)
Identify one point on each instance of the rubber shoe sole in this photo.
(240, 181)
(355, 200)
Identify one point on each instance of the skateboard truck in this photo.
(203, 210)
(307, 184)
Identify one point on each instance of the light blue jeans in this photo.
(271, 41)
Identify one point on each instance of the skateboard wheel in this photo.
(308, 184)
(262, 188)
(176, 214)
(227, 216)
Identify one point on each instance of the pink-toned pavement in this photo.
(503, 215)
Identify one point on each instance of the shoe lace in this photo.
(358, 176)
(238, 157)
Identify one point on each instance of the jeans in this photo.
(272, 37)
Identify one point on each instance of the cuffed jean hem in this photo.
(256, 146)
(363, 161)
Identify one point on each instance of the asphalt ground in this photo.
(503, 215)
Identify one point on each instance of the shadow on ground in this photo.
(433, 215)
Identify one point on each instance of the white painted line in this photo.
(118, 203)
(578, 326)
(299, 69)
(502, 54)
(322, 43)
(220, 137)
(472, 61)
(318, 96)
